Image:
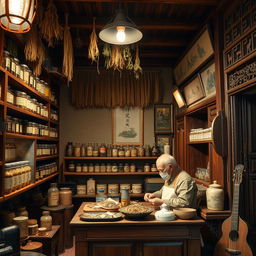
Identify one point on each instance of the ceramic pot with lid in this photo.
(164, 214)
(215, 197)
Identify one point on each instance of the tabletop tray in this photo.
(88, 216)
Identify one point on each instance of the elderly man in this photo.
(179, 189)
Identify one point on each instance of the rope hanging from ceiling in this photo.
(112, 89)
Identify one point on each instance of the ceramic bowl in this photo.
(185, 213)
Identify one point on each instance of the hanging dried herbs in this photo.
(137, 68)
(106, 53)
(68, 58)
(37, 70)
(50, 27)
(31, 47)
(116, 60)
(128, 57)
(93, 51)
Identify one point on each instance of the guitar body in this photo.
(239, 243)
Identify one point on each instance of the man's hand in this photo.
(156, 201)
(148, 196)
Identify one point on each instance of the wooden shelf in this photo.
(202, 182)
(25, 112)
(30, 137)
(200, 142)
(111, 158)
(1, 102)
(39, 158)
(1, 163)
(94, 195)
(54, 122)
(22, 190)
(111, 173)
(20, 84)
(213, 215)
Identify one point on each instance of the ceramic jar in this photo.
(22, 223)
(65, 196)
(164, 214)
(215, 197)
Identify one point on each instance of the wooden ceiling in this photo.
(168, 26)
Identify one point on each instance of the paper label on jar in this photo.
(20, 101)
(10, 98)
(53, 199)
(8, 183)
(25, 77)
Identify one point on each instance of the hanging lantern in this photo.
(17, 15)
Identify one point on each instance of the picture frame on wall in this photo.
(199, 53)
(194, 91)
(178, 98)
(163, 118)
(163, 139)
(208, 79)
(128, 126)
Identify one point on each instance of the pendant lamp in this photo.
(120, 30)
(17, 15)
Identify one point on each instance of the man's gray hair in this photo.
(166, 159)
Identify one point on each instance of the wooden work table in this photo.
(147, 237)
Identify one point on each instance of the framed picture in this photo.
(163, 139)
(179, 98)
(163, 117)
(208, 79)
(200, 51)
(127, 126)
(194, 91)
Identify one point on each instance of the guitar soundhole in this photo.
(233, 235)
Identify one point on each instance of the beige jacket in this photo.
(185, 189)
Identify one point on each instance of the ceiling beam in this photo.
(164, 26)
(177, 2)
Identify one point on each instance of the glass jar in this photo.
(84, 168)
(121, 152)
(53, 195)
(69, 149)
(102, 167)
(77, 150)
(120, 167)
(127, 152)
(17, 70)
(95, 151)
(141, 151)
(78, 168)
(22, 211)
(46, 221)
(10, 96)
(89, 149)
(134, 152)
(97, 167)
(8, 181)
(17, 125)
(91, 167)
(132, 167)
(114, 167)
(147, 167)
(7, 60)
(31, 80)
(114, 151)
(71, 167)
(29, 75)
(26, 74)
(147, 151)
(126, 167)
(83, 150)
(65, 196)
(8, 124)
(109, 168)
(153, 168)
(13, 65)
(21, 99)
(22, 71)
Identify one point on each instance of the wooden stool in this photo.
(68, 215)
(49, 241)
(32, 246)
(57, 214)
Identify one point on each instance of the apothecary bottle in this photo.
(89, 149)
(147, 151)
(134, 152)
(53, 195)
(77, 150)
(121, 152)
(46, 221)
(141, 151)
(7, 60)
(103, 151)
(114, 151)
(83, 150)
(95, 151)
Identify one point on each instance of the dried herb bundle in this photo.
(50, 27)
(31, 46)
(41, 57)
(68, 58)
(116, 60)
(137, 68)
(93, 51)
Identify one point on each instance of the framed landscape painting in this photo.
(194, 91)
(163, 117)
(208, 79)
(127, 126)
(163, 139)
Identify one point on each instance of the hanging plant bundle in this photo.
(116, 60)
(50, 27)
(93, 51)
(107, 54)
(37, 70)
(68, 59)
(137, 68)
(31, 44)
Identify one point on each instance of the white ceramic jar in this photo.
(215, 197)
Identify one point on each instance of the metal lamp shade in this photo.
(108, 33)
(17, 15)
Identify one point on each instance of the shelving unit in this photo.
(8, 79)
(94, 195)
(109, 177)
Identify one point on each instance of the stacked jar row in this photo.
(17, 175)
(46, 149)
(16, 125)
(110, 189)
(23, 72)
(23, 100)
(72, 167)
(10, 152)
(45, 170)
(95, 150)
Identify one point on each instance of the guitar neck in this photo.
(235, 208)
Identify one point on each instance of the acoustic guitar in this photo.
(234, 229)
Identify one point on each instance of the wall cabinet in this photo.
(27, 141)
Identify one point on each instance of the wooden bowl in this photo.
(185, 213)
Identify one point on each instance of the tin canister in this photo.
(125, 197)
(113, 188)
